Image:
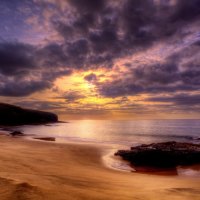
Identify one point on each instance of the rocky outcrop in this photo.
(14, 115)
(16, 133)
(162, 155)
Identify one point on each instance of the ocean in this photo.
(123, 132)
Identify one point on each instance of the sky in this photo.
(102, 59)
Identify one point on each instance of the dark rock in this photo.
(162, 155)
(46, 138)
(16, 133)
(13, 115)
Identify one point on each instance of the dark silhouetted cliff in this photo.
(14, 115)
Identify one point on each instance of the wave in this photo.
(186, 137)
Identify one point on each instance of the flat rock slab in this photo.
(52, 139)
(162, 155)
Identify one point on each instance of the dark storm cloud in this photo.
(88, 5)
(197, 43)
(156, 74)
(96, 32)
(78, 48)
(103, 41)
(153, 79)
(186, 10)
(91, 77)
(16, 58)
(26, 84)
(51, 55)
(181, 99)
(25, 69)
(114, 29)
(22, 88)
(72, 96)
(143, 79)
(138, 20)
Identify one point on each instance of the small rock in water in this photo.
(17, 133)
(46, 138)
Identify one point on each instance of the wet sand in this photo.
(47, 170)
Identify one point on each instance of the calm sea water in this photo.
(120, 132)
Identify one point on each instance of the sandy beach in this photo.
(47, 170)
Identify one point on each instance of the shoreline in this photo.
(53, 171)
(115, 162)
